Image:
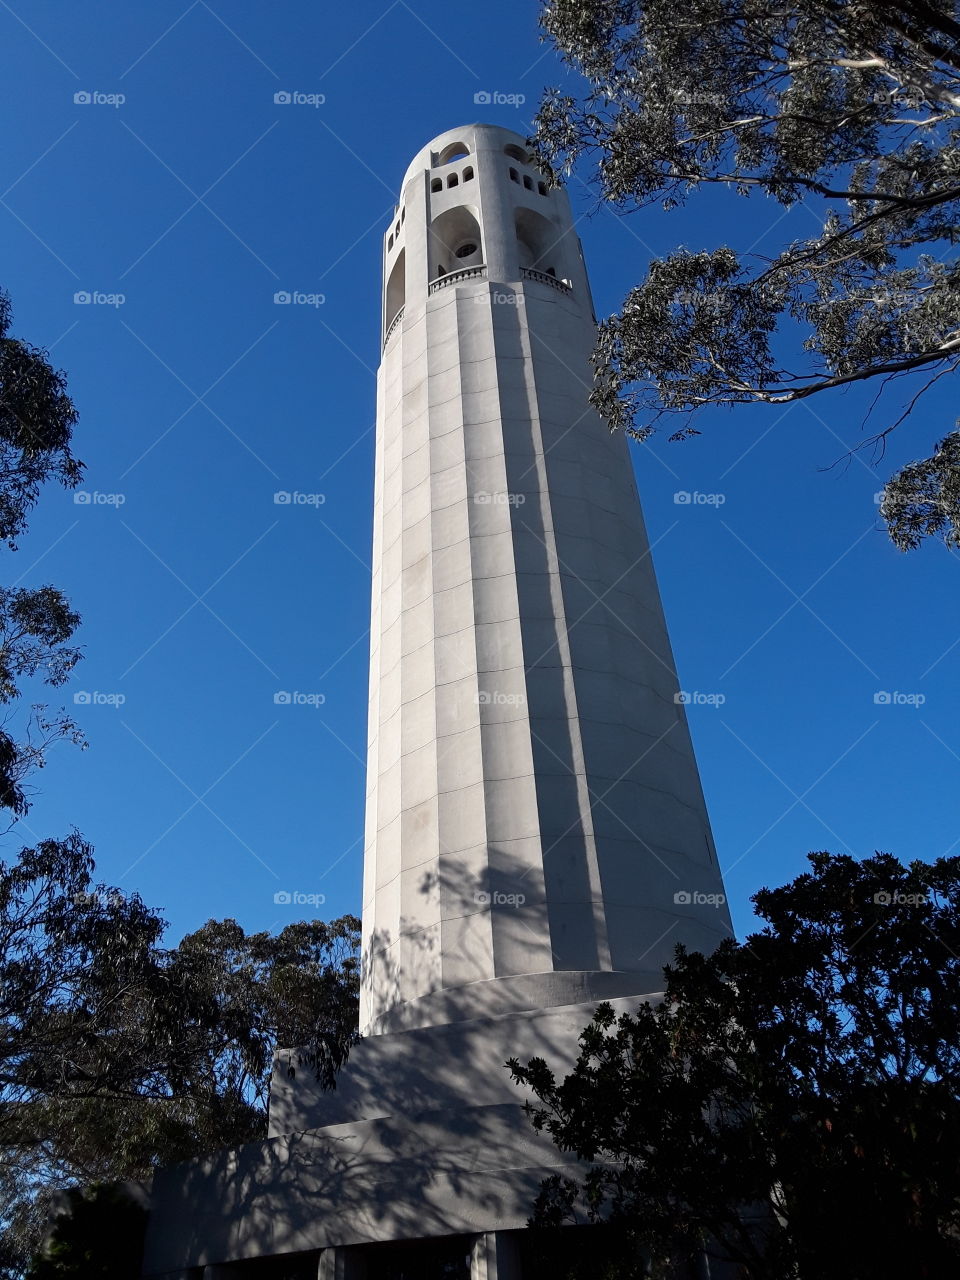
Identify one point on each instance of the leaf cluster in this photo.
(793, 1103)
(852, 109)
(37, 418)
(118, 1054)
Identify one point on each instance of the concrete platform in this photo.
(435, 1068)
(425, 1136)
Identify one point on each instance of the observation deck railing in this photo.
(544, 277)
(456, 277)
(392, 325)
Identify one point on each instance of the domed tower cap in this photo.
(466, 140)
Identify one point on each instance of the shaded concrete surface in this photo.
(424, 1136)
(471, 1169)
(431, 1068)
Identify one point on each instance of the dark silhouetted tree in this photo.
(118, 1054)
(793, 1104)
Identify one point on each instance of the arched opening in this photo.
(453, 180)
(455, 151)
(396, 229)
(389, 242)
(516, 153)
(396, 290)
(514, 176)
(528, 182)
(455, 240)
(436, 184)
(539, 244)
(468, 174)
(542, 188)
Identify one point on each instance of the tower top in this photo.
(474, 205)
(471, 138)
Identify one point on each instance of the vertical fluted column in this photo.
(536, 832)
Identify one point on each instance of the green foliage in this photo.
(117, 1054)
(924, 498)
(36, 424)
(852, 109)
(37, 418)
(792, 1104)
(48, 1025)
(98, 1236)
(34, 627)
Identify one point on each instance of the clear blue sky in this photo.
(198, 198)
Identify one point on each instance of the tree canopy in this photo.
(793, 1103)
(37, 418)
(118, 1054)
(849, 106)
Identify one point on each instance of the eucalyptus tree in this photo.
(850, 107)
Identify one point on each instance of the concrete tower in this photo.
(536, 832)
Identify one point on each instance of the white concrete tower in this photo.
(536, 834)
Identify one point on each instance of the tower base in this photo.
(424, 1137)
